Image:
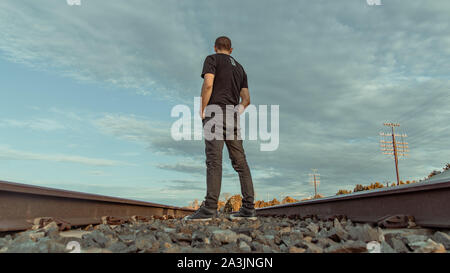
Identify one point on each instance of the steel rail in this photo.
(20, 204)
(428, 202)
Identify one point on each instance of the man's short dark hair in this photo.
(223, 43)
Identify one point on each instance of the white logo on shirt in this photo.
(232, 62)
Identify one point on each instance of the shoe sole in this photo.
(240, 218)
(197, 219)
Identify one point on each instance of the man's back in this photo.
(225, 83)
(229, 79)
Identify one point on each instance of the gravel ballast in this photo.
(265, 235)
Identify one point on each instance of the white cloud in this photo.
(338, 70)
(41, 124)
(7, 153)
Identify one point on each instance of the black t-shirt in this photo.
(229, 79)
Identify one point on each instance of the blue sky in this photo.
(86, 92)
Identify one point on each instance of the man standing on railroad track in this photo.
(224, 97)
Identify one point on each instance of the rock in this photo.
(348, 247)
(398, 245)
(443, 238)
(105, 229)
(257, 247)
(35, 236)
(302, 224)
(169, 230)
(166, 246)
(225, 236)
(184, 229)
(397, 221)
(323, 233)
(52, 232)
(163, 237)
(171, 249)
(267, 235)
(118, 247)
(311, 248)
(245, 238)
(245, 230)
(97, 250)
(428, 246)
(348, 225)
(198, 236)
(403, 232)
(386, 248)
(341, 233)
(307, 232)
(325, 242)
(276, 240)
(287, 241)
(409, 239)
(415, 241)
(336, 223)
(5, 241)
(336, 234)
(294, 249)
(266, 249)
(328, 224)
(127, 239)
(244, 246)
(27, 246)
(365, 233)
(313, 227)
(89, 228)
(285, 230)
(145, 242)
(271, 238)
(94, 239)
(297, 233)
(181, 237)
(42, 222)
(44, 245)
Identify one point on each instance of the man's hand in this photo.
(241, 109)
(206, 92)
(202, 114)
(245, 100)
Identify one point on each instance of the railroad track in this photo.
(20, 204)
(428, 202)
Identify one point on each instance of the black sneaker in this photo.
(202, 214)
(244, 213)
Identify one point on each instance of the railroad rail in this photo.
(428, 202)
(20, 204)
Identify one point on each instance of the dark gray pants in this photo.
(213, 150)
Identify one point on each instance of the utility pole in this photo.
(315, 179)
(394, 147)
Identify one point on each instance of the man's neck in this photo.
(223, 52)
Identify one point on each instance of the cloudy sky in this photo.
(86, 92)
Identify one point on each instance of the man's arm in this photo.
(207, 88)
(245, 100)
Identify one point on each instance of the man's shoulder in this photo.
(212, 56)
(238, 64)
